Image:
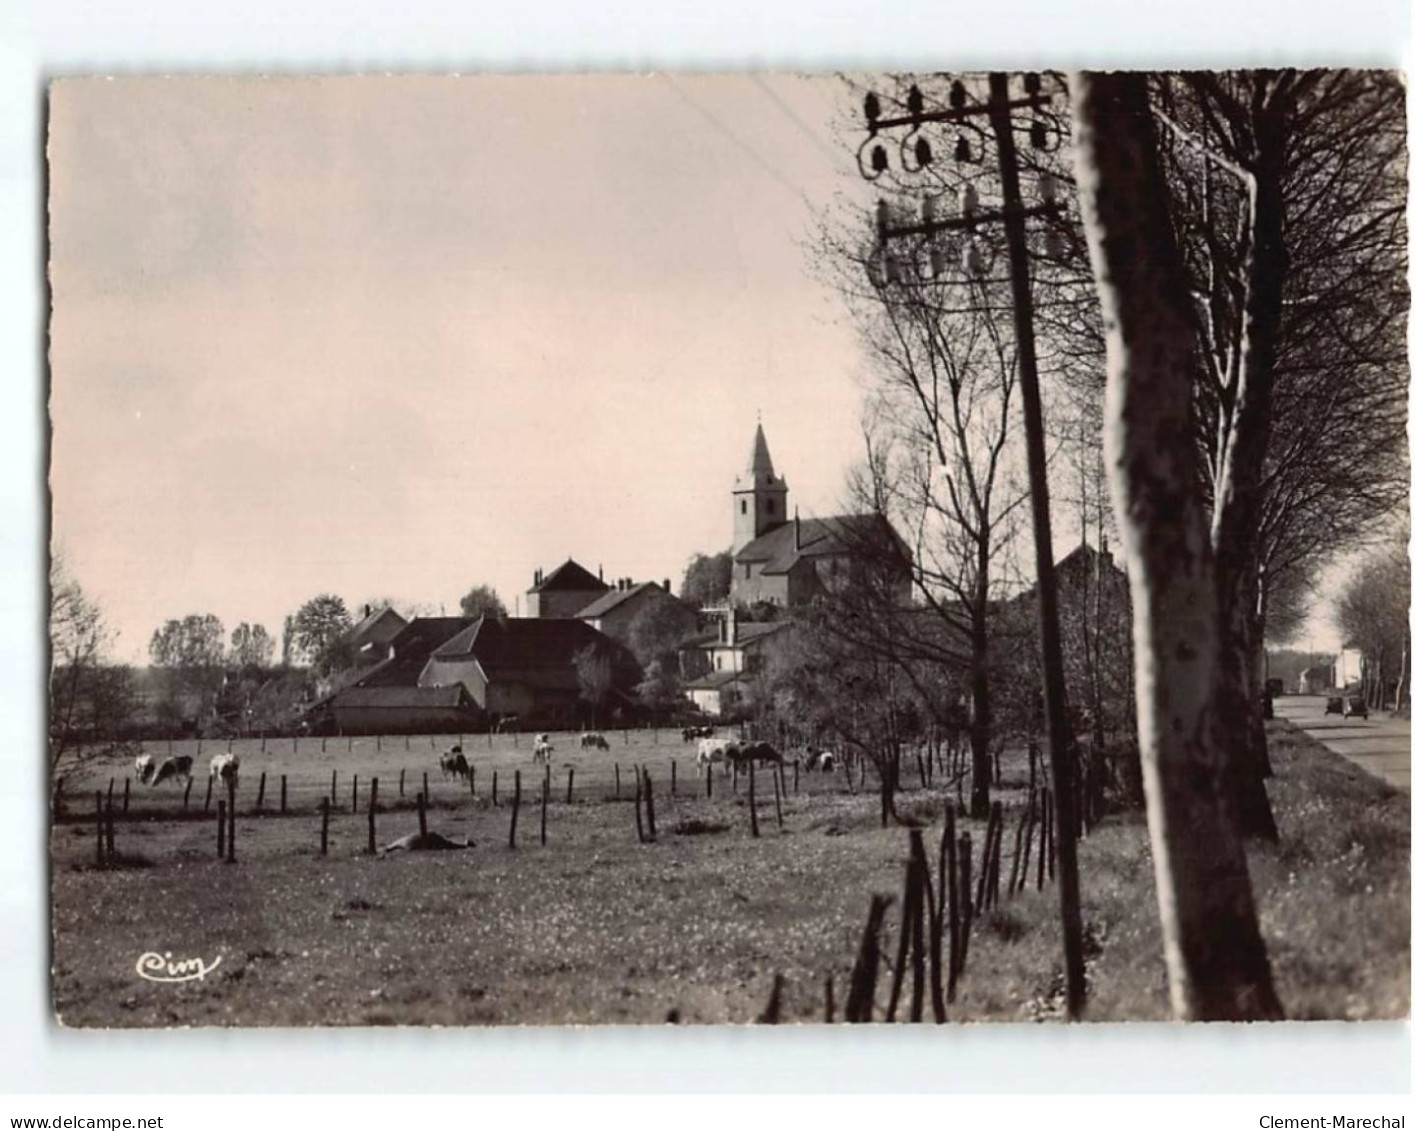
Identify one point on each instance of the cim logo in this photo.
(163, 968)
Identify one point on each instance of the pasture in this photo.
(594, 926)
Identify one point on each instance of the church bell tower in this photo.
(758, 496)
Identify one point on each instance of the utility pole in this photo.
(1013, 216)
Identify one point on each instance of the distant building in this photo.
(614, 612)
(724, 664)
(1314, 680)
(368, 641)
(784, 561)
(564, 591)
(1349, 668)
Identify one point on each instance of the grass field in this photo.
(596, 927)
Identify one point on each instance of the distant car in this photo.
(1354, 707)
(1336, 705)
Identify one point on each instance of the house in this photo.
(725, 664)
(1348, 669)
(529, 668)
(564, 591)
(785, 561)
(614, 613)
(368, 641)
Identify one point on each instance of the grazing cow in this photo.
(455, 765)
(755, 752)
(718, 750)
(426, 842)
(143, 766)
(173, 769)
(823, 760)
(225, 768)
(544, 749)
(593, 740)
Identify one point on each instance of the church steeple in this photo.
(758, 496)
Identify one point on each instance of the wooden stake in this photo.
(98, 825)
(186, 794)
(776, 790)
(206, 806)
(260, 794)
(648, 806)
(231, 817)
(220, 830)
(127, 789)
(402, 775)
(638, 797)
(859, 1005)
(570, 786)
(751, 793)
(544, 802)
(282, 793)
(372, 810)
(422, 816)
(354, 797)
(515, 808)
(324, 826)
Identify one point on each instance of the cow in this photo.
(754, 752)
(225, 768)
(455, 765)
(712, 750)
(823, 760)
(593, 740)
(173, 769)
(425, 842)
(544, 749)
(143, 767)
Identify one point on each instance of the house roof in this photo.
(453, 695)
(748, 633)
(840, 535)
(713, 681)
(411, 649)
(377, 628)
(606, 602)
(511, 644)
(569, 576)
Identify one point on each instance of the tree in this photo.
(660, 690)
(191, 652)
(78, 640)
(708, 579)
(1214, 952)
(251, 646)
(1373, 613)
(595, 671)
(482, 601)
(318, 627)
(657, 629)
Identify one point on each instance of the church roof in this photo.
(840, 535)
(760, 472)
(569, 576)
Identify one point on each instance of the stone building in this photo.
(564, 591)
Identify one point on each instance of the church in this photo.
(787, 560)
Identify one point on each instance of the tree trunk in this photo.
(1214, 952)
(980, 733)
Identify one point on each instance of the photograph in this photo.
(731, 549)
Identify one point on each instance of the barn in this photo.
(404, 710)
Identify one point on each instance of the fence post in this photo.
(776, 790)
(231, 817)
(570, 787)
(334, 787)
(709, 780)
(648, 806)
(965, 894)
(323, 744)
(494, 802)
(751, 792)
(638, 813)
(673, 777)
(98, 824)
(796, 770)
(544, 801)
(324, 826)
(616, 781)
(282, 793)
(402, 774)
(859, 1005)
(260, 793)
(422, 815)
(948, 876)
(1016, 856)
(127, 788)
(206, 806)
(472, 779)
(427, 793)
(515, 808)
(830, 999)
(372, 809)
(220, 830)
(187, 794)
(354, 797)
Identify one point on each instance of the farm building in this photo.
(403, 710)
(369, 640)
(614, 613)
(786, 561)
(564, 591)
(527, 667)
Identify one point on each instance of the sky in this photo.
(396, 337)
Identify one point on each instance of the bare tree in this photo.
(1373, 613)
(595, 671)
(78, 639)
(1214, 952)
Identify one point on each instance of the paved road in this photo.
(1380, 746)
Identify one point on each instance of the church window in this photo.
(744, 506)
